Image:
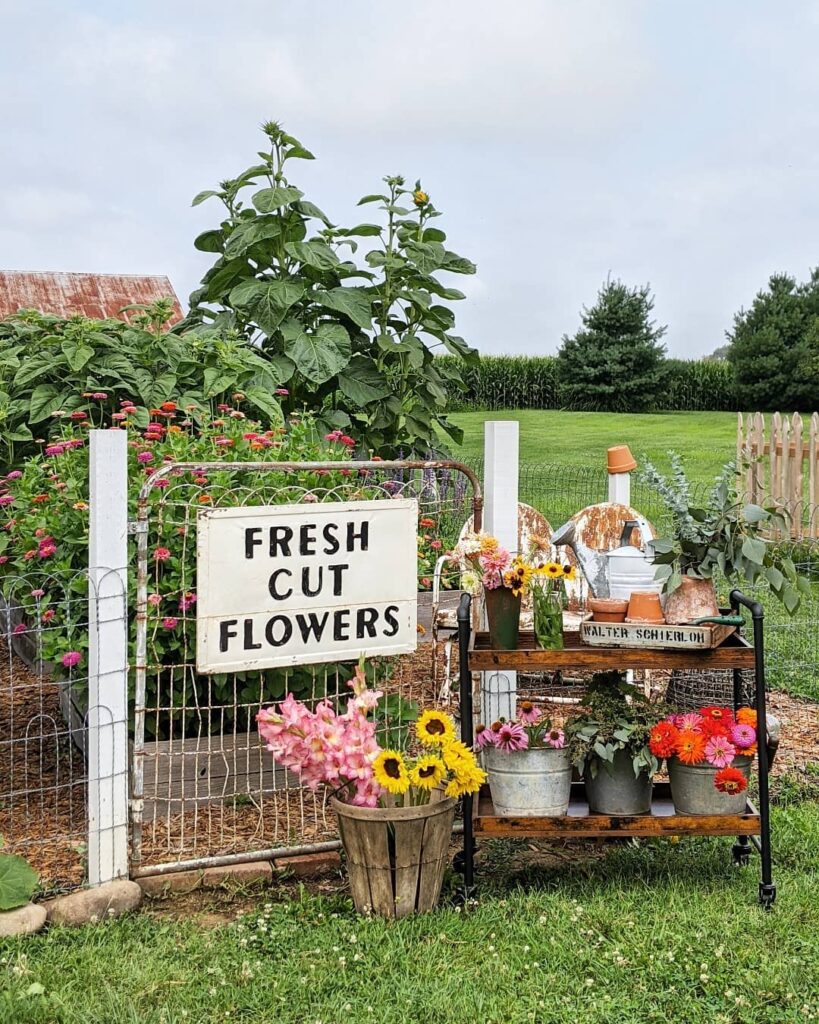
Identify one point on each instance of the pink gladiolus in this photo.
(71, 659)
(510, 737)
(719, 751)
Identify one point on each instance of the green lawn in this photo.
(706, 440)
(660, 932)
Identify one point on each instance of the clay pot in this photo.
(608, 609)
(693, 599)
(620, 460)
(644, 606)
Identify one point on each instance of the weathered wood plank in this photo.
(664, 637)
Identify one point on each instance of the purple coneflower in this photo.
(484, 737)
(511, 736)
(555, 738)
(528, 714)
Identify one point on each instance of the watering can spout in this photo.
(592, 563)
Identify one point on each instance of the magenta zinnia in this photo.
(743, 736)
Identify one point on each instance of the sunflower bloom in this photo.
(553, 570)
(468, 779)
(455, 752)
(428, 773)
(390, 772)
(434, 728)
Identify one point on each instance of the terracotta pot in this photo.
(693, 599)
(620, 460)
(608, 609)
(644, 606)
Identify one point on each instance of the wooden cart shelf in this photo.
(735, 652)
(580, 824)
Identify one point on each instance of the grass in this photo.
(706, 440)
(661, 932)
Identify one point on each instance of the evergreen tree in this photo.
(774, 346)
(615, 362)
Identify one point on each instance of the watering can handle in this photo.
(719, 620)
(628, 527)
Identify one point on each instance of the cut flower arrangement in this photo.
(529, 729)
(342, 752)
(712, 736)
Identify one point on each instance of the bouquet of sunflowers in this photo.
(341, 751)
(486, 564)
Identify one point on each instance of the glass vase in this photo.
(547, 614)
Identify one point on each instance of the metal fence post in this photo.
(501, 479)
(108, 657)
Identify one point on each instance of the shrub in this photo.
(774, 346)
(615, 361)
(52, 367)
(44, 535)
(358, 354)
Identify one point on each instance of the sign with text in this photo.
(301, 584)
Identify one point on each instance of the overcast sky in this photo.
(674, 143)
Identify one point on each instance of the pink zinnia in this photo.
(71, 659)
(282, 391)
(743, 735)
(154, 599)
(39, 593)
(48, 615)
(555, 738)
(47, 550)
(161, 555)
(688, 721)
(511, 736)
(495, 561)
(187, 601)
(6, 499)
(145, 457)
(15, 474)
(170, 622)
(18, 629)
(719, 751)
(484, 737)
(55, 449)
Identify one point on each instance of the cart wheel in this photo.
(767, 895)
(465, 896)
(741, 854)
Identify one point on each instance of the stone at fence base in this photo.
(310, 865)
(108, 900)
(176, 883)
(251, 873)
(23, 920)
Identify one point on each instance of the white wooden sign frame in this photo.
(299, 584)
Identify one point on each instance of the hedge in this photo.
(532, 382)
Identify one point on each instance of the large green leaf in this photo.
(353, 302)
(362, 230)
(266, 404)
(209, 241)
(33, 368)
(314, 253)
(249, 232)
(18, 880)
(269, 199)
(362, 382)
(76, 353)
(308, 209)
(45, 399)
(200, 197)
(267, 301)
(319, 356)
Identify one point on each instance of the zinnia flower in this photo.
(434, 728)
(690, 747)
(663, 739)
(730, 781)
(161, 555)
(510, 737)
(390, 771)
(719, 751)
(747, 716)
(170, 622)
(743, 736)
(717, 713)
(71, 658)
(555, 738)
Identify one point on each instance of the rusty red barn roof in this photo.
(92, 295)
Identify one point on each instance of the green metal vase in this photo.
(503, 616)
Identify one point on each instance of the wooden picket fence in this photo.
(781, 467)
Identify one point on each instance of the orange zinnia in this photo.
(691, 747)
(747, 716)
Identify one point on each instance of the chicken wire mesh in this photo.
(203, 785)
(49, 814)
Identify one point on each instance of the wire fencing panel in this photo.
(44, 724)
(203, 785)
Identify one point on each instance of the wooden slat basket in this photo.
(396, 856)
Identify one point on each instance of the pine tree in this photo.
(615, 362)
(774, 346)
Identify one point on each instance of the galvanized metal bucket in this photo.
(693, 790)
(616, 790)
(532, 783)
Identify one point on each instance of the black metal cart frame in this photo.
(743, 845)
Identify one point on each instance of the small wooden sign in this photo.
(644, 634)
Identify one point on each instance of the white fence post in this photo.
(620, 465)
(501, 477)
(108, 657)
